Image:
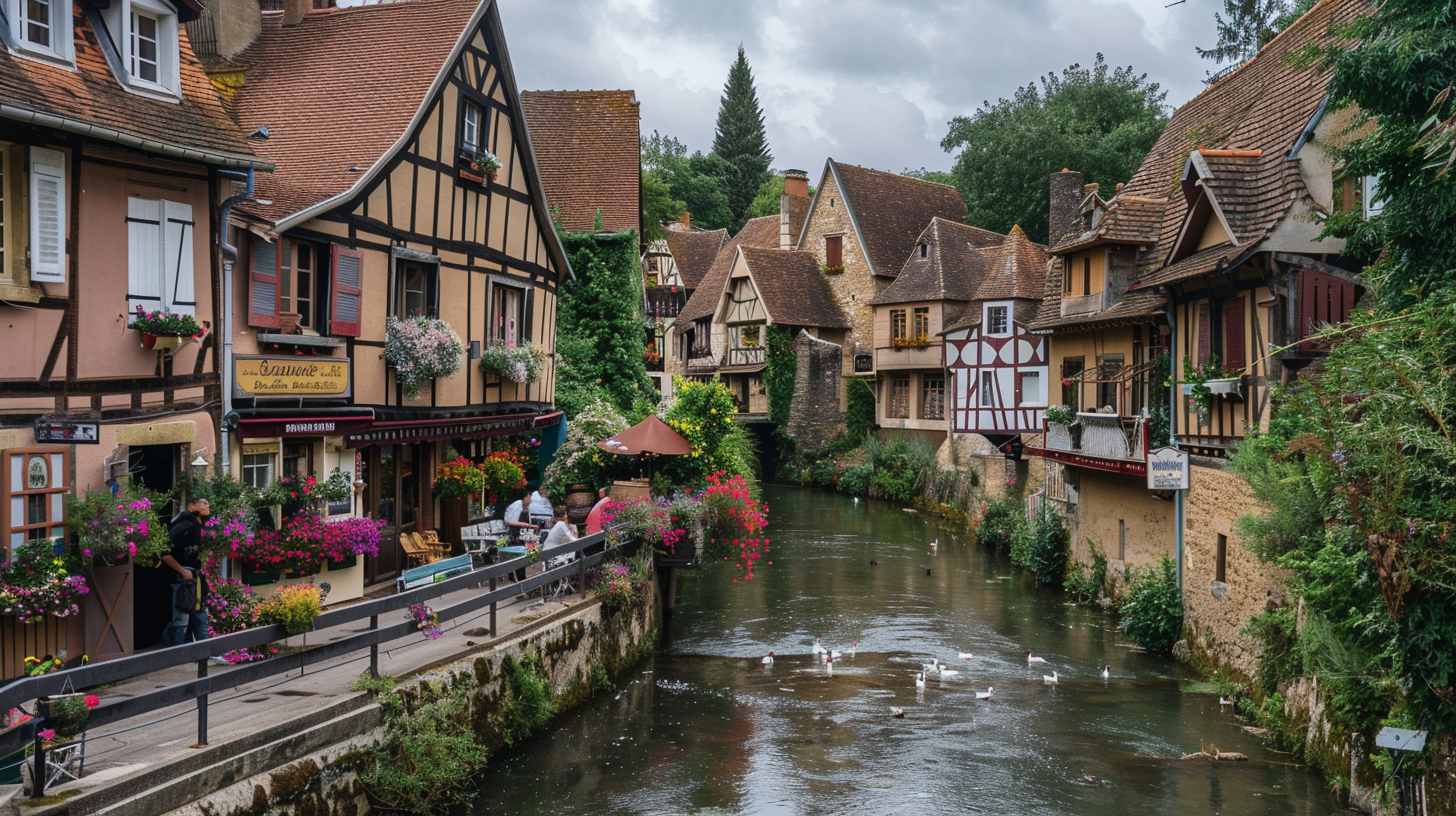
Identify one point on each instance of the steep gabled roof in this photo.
(951, 269)
(91, 101)
(791, 288)
(758, 232)
(589, 148)
(1126, 219)
(889, 211)
(1014, 270)
(694, 252)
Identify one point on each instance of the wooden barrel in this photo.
(579, 501)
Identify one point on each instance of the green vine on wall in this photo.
(778, 378)
(860, 417)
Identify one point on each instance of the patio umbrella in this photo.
(651, 435)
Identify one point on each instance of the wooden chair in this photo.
(430, 540)
(415, 551)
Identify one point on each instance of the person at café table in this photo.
(516, 518)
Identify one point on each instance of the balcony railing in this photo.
(701, 360)
(1087, 304)
(1103, 441)
(743, 357)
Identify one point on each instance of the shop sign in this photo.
(77, 433)
(291, 377)
(303, 426)
(1167, 469)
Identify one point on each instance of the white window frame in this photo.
(161, 274)
(119, 17)
(1041, 389)
(62, 44)
(1005, 311)
(266, 462)
(987, 397)
(470, 131)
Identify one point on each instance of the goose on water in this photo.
(1050, 680)
(933, 667)
(1032, 661)
(920, 680)
(944, 672)
(984, 695)
(768, 661)
(852, 646)
(966, 656)
(1106, 672)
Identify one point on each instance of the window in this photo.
(1109, 372)
(897, 325)
(932, 396)
(1087, 275)
(1071, 392)
(1220, 563)
(301, 288)
(159, 247)
(988, 389)
(1033, 390)
(924, 249)
(505, 321)
(834, 251)
(415, 289)
(1122, 540)
(145, 32)
(297, 459)
(144, 48)
(33, 487)
(472, 119)
(997, 323)
(921, 325)
(41, 26)
(899, 407)
(1067, 277)
(258, 469)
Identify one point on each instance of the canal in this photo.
(705, 727)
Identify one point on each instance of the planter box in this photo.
(678, 559)
(343, 563)
(256, 579)
(1231, 389)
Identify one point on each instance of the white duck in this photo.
(768, 661)
(829, 666)
(944, 672)
(920, 680)
(1050, 680)
(966, 656)
(1032, 661)
(934, 544)
(818, 647)
(1106, 672)
(933, 667)
(852, 646)
(985, 695)
(835, 654)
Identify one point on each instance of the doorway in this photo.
(154, 467)
(394, 498)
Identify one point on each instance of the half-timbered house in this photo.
(997, 367)
(698, 339)
(377, 118)
(115, 154)
(672, 268)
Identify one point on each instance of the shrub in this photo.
(232, 606)
(855, 480)
(527, 704)
(1084, 585)
(1003, 517)
(1048, 548)
(902, 468)
(859, 417)
(1152, 612)
(704, 413)
(118, 526)
(293, 607)
(1279, 659)
(430, 754)
(579, 460)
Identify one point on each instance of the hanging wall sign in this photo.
(1167, 469)
(80, 433)
(291, 377)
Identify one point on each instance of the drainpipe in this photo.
(229, 256)
(1178, 500)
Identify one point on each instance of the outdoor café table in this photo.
(514, 552)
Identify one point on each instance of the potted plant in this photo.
(66, 715)
(293, 607)
(1061, 422)
(500, 477)
(512, 361)
(165, 330)
(420, 349)
(109, 529)
(485, 164)
(41, 580)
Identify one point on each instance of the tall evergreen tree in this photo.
(1246, 25)
(740, 140)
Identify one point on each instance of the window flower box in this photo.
(421, 349)
(1229, 388)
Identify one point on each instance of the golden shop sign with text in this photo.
(291, 377)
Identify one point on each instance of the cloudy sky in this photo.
(869, 82)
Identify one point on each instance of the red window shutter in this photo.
(834, 251)
(347, 291)
(1233, 333)
(1322, 299)
(1205, 333)
(263, 285)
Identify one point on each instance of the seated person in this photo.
(538, 506)
(561, 532)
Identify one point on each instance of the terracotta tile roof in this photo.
(694, 252)
(892, 210)
(1263, 106)
(1133, 308)
(1202, 262)
(951, 270)
(1128, 219)
(1015, 270)
(793, 291)
(758, 232)
(98, 106)
(588, 148)
(306, 83)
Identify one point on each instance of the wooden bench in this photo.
(433, 573)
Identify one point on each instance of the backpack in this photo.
(190, 594)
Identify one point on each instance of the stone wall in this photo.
(816, 417)
(854, 288)
(1111, 508)
(1214, 611)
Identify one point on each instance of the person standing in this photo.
(190, 621)
(594, 518)
(539, 507)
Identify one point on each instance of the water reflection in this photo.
(707, 728)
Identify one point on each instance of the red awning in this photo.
(274, 427)
(405, 432)
(651, 435)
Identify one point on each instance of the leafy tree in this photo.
(600, 345)
(740, 141)
(1100, 121)
(1250, 24)
(700, 183)
(769, 195)
(937, 176)
(658, 205)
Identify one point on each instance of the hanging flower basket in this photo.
(485, 164)
(164, 331)
(420, 349)
(517, 362)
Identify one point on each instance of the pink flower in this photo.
(47, 734)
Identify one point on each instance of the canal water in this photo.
(706, 728)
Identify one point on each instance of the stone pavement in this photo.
(122, 751)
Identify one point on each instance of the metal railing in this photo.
(26, 689)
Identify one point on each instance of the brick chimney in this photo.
(687, 219)
(294, 11)
(1065, 210)
(793, 207)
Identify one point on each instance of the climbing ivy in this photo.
(600, 346)
(783, 367)
(860, 417)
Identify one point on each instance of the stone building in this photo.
(697, 340)
(1211, 253)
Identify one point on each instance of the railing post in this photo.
(373, 648)
(38, 770)
(202, 705)
(492, 607)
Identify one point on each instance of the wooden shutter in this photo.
(177, 272)
(47, 215)
(1205, 333)
(263, 285)
(834, 251)
(1322, 299)
(144, 254)
(1233, 333)
(347, 291)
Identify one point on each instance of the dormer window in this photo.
(924, 249)
(41, 27)
(146, 35)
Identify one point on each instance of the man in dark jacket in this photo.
(190, 622)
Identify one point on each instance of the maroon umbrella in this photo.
(651, 435)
